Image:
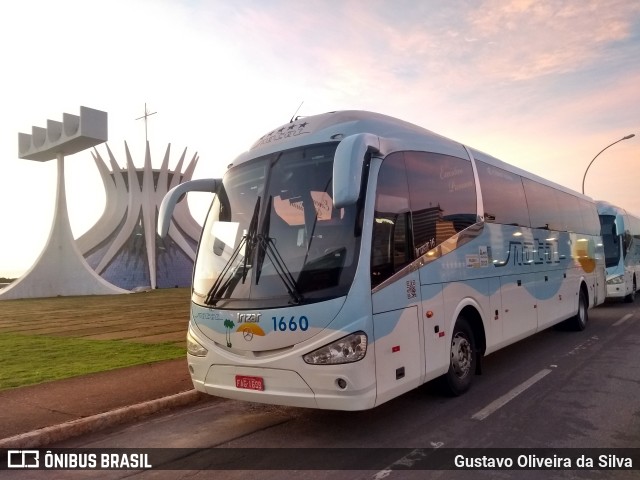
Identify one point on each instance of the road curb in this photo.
(57, 433)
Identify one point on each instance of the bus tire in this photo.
(632, 296)
(462, 359)
(579, 321)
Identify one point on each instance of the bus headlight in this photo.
(346, 350)
(194, 348)
(616, 280)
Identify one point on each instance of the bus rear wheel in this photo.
(462, 364)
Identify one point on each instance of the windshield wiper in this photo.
(262, 248)
(281, 269)
(249, 239)
(313, 227)
(267, 247)
(218, 288)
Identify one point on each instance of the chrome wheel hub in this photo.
(461, 355)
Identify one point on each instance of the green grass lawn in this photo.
(31, 359)
(45, 339)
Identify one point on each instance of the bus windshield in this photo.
(611, 240)
(272, 236)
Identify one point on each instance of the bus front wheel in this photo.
(462, 364)
(632, 296)
(579, 321)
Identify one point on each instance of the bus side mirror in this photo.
(347, 167)
(174, 195)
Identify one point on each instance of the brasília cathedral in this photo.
(123, 246)
(122, 252)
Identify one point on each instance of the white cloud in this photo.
(531, 39)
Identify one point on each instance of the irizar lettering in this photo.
(249, 317)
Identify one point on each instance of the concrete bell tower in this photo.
(61, 269)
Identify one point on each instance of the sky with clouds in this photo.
(544, 85)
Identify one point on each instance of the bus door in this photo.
(399, 344)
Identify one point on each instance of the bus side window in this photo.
(544, 211)
(496, 185)
(590, 220)
(391, 247)
(443, 197)
(570, 212)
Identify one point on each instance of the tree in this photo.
(228, 325)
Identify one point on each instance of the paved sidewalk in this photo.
(124, 390)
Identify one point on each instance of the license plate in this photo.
(249, 383)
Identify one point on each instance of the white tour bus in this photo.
(621, 239)
(350, 257)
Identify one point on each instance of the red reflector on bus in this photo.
(395, 349)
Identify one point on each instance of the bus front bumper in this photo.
(616, 290)
(286, 387)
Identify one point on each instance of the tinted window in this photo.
(443, 197)
(610, 240)
(589, 213)
(503, 196)
(544, 210)
(391, 247)
(569, 212)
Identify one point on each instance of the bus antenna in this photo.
(297, 110)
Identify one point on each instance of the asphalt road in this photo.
(558, 389)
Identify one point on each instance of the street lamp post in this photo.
(594, 158)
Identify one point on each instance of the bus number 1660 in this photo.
(292, 325)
